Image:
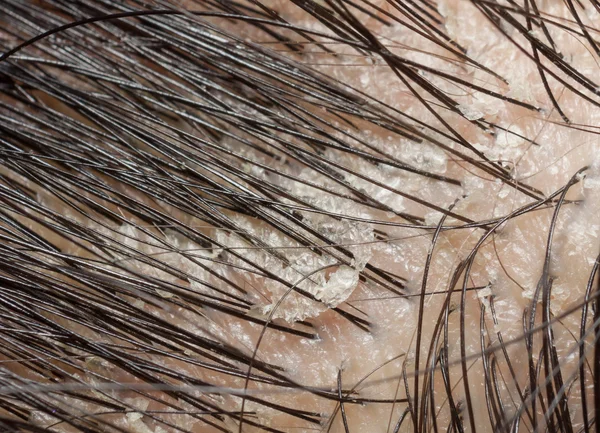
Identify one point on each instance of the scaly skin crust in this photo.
(298, 216)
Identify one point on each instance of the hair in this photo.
(301, 215)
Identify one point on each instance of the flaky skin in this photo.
(299, 215)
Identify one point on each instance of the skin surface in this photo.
(392, 229)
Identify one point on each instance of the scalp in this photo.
(302, 215)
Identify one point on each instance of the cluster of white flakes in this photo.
(338, 287)
(471, 112)
(330, 287)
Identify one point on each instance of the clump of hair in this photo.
(302, 215)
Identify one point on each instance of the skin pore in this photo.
(298, 216)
